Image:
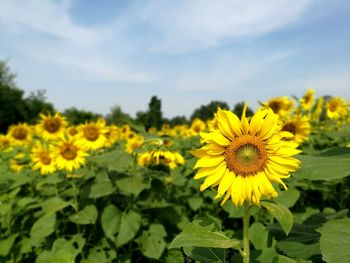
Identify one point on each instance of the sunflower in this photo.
(161, 157)
(280, 105)
(5, 142)
(18, 162)
(307, 100)
(336, 108)
(197, 126)
(51, 127)
(42, 159)
(134, 142)
(244, 157)
(92, 135)
(316, 114)
(20, 134)
(299, 126)
(112, 135)
(124, 131)
(68, 154)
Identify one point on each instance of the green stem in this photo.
(246, 250)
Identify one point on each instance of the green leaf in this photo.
(232, 210)
(129, 225)
(42, 228)
(206, 254)
(86, 216)
(281, 213)
(201, 234)
(133, 184)
(6, 245)
(318, 168)
(195, 203)
(152, 242)
(283, 259)
(263, 256)
(299, 250)
(117, 160)
(110, 220)
(101, 253)
(54, 204)
(258, 235)
(289, 197)
(335, 241)
(101, 186)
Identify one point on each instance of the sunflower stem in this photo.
(246, 249)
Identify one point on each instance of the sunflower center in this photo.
(290, 127)
(246, 155)
(91, 133)
(45, 158)
(197, 128)
(52, 125)
(20, 133)
(69, 152)
(333, 106)
(275, 106)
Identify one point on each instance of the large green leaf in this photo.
(152, 242)
(129, 225)
(54, 204)
(117, 160)
(299, 250)
(6, 245)
(110, 220)
(133, 184)
(201, 233)
(258, 235)
(289, 197)
(281, 213)
(43, 227)
(101, 186)
(101, 252)
(207, 254)
(323, 167)
(86, 216)
(335, 241)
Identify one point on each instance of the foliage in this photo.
(153, 117)
(76, 116)
(206, 112)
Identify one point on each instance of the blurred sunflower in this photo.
(197, 126)
(299, 126)
(243, 157)
(5, 142)
(18, 162)
(20, 134)
(161, 157)
(317, 112)
(42, 159)
(280, 105)
(134, 142)
(51, 127)
(336, 108)
(68, 154)
(124, 131)
(112, 135)
(307, 100)
(92, 135)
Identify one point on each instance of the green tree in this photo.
(35, 104)
(153, 117)
(238, 110)
(117, 116)
(206, 112)
(76, 116)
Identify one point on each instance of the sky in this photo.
(94, 55)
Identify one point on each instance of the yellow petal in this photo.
(225, 182)
(209, 161)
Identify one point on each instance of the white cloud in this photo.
(199, 24)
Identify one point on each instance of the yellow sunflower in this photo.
(280, 105)
(158, 157)
(124, 131)
(92, 135)
(197, 126)
(112, 135)
(299, 126)
(18, 162)
(134, 142)
(51, 127)
(20, 134)
(5, 143)
(336, 108)
(316, 114)
(68, 154)
(307, 100)
(42, 159)
(243, 157)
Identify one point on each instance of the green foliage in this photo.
(153, 117)
(206, 112)
(238, 110)
(117, 116)
(76, 116)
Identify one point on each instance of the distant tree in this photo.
(14, 107)
(76, 116)
(178, 120)
(238, 110)
(117, 116)
(206, 112)
(153, 117)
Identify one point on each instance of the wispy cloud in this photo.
(199, 24)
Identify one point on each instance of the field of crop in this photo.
(269, 187)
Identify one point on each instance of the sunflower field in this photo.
(271, 187)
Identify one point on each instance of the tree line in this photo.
(15, 107)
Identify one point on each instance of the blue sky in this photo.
(96, 54)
